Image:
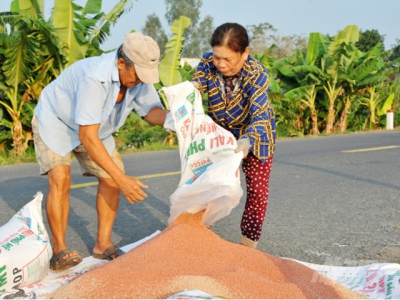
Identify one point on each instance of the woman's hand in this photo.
(243, 145)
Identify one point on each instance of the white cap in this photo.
(145, 54)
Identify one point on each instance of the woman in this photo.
(237, 87)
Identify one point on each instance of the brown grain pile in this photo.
(187, 255)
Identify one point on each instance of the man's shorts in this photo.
(48, 159)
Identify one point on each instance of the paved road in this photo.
(326, 205)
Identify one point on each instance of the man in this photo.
(78, 112)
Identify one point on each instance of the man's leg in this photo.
(108, 196)
(57, 206)
(57, 168)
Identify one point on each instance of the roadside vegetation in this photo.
(319, 85)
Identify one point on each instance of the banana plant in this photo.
(269, 63)
(78, 32)
(287, 117)
(372, 76)
(26, 45)
(170, 69)
(34, 51)
(376, 104)
(299, 77)
(387, 105)
(334, 58)
(306, 95)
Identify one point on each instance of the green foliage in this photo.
(170, 64)
(104, 21)
(137, 138)
(27, 43)
(177, 8)
(33, 52)
(137, 133)
(5, 135)
(258, 36)
(197, 34)
(317, 47)
(395, 52)
(81, 30)
(154, 29)
(368, 40)
(333, 84)
(355, 85)
(388, 104)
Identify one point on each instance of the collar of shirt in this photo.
(115, 73)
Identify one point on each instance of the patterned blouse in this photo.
(240, 104)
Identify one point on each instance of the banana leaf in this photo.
(349, 35)
(386, 106)
(63, 17)
(316, 48)
(28, 8)
(93, 6)
(170, 64)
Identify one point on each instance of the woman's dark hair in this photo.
(121, 54)
(232, 35)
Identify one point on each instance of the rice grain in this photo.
(188, 256)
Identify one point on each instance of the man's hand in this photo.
(243, 145)
(129, 186)
(132, 187)
(169, 122)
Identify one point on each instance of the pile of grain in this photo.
(187, 255)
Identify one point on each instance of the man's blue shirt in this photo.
(85, 94)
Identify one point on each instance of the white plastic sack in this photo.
(375, 281)
(210, 177)
(192, 294)
(25, 250)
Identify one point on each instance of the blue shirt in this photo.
(85, 94)
(248, 112)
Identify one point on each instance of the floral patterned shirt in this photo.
(242, 107)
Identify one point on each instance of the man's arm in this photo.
(156, 116)
(129, 186)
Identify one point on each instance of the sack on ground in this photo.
(210, 177)
(25, 249)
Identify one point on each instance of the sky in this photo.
(289, 17)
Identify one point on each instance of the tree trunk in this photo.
(18, 137)
(314, 119)
(329, 118)
(170, 138)
(343, 117)
(372, 120)
(28, 137)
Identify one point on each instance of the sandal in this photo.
(57, 262)
(110, 253)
